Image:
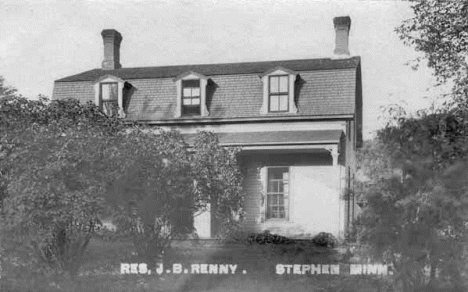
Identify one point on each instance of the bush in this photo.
(325, 239)
(267, 238)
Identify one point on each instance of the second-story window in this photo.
(191, 97)
(109, 97)
(279, 93)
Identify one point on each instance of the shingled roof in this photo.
(216, 69)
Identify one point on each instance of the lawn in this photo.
(255, 270)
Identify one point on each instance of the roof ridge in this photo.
(171, 71)
(238, 63)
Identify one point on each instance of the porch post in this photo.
(334, 153)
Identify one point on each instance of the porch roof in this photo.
(269, 138)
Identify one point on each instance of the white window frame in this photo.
(203, 82)
(286, 196)
(278, 71)
(120, 86)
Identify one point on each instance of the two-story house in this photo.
(298, 123)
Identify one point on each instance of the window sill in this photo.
(277, 220)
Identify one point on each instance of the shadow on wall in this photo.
(128, 92)
(210, 91)
(297, 90)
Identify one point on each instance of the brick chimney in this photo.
(112, 39)
(342, 26)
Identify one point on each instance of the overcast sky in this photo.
(41, 41)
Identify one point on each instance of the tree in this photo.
(417, 202)
(7, 91)
(52, 167)
(63, 163)
(54, 196)
(439, 30)
(218, 182)
(163, 182)
(152, 189)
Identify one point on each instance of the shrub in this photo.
(325, 239)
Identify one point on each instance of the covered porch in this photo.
(294, 182)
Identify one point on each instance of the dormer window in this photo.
(108, 95)
(191, 97)
(278, 91)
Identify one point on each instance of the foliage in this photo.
(54, 175)
(415, 189)
(52, 172)
(439, 30)
(63, 164)
(218, 182)
(164, 183)
(325, 239)
(153, 189)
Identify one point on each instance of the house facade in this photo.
(298, 123)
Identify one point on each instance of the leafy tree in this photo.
(54, 196)
(52, 173)
(163, 183)
(63, 163)
(417, 202)
(439, 30)
(218, 182)
(152, 190)
(7, 91)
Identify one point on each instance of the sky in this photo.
(42, 41)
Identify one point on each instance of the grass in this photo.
(101, 271)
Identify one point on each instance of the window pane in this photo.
(283, 84)
(196, 91)
(105, 92)
(274, 103)
(187, 101)
(278, 188)
(277, 173)
(195, 101)
(274, 84)
(114, 91)
(281, 212)
(187, 92)
(283, 106)
(191, 83)
(109, 91)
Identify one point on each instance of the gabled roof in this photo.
(217, 69)
(279, 68)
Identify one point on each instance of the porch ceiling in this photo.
(276, 138)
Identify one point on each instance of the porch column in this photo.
(334, 153)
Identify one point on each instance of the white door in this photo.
(202, 223)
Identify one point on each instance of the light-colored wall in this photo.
(315, 198)
(260, 127)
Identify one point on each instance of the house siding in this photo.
(82, 91)
(327, 92)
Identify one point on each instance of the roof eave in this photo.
(241, 120)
